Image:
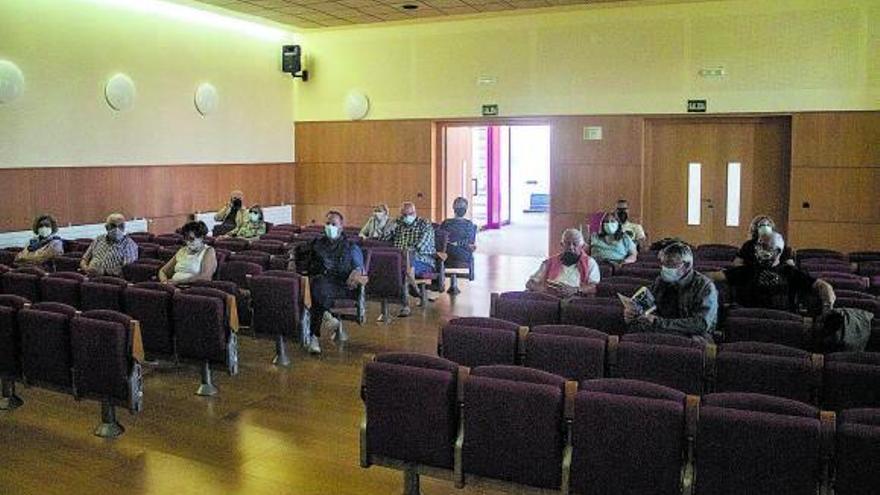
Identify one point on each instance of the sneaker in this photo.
(315, 345)
(340, 335)
(404, 312)
(329, 324)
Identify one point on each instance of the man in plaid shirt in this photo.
(416, 235)
(111, 251)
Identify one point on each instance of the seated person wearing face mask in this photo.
(462, 233)
(44, 246)
(569, 273)
(111, 251)
(416, 235)
(231, 215)
(633, 230)
(251, 229)
(761, 225)
(611, 244)
(687, 301)
(771, 284)
(195, 261)
(336, 268)
(378, 224)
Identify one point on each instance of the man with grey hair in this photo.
(771, 283)
(568, 273)
(687, 301)
(414, 235)
(109, 252)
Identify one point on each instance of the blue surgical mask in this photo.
(670, 275)
(409, 219)
(44, 232)
(764, 230)
(610, 228)
(255, 217)
(331, 231)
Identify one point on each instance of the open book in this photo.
(642, 302)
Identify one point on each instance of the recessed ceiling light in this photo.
(409, 6)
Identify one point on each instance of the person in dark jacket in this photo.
(687, 301)
(336, 268)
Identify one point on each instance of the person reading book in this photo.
(686, 301)
(569, 273)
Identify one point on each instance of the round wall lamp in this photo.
(120, 92)
(206, 99)
(11, 82)
(357, 105)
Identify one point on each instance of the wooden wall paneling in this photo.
(842, 236)
(351, 166)
(836, 139)
(621, 139)
(835, 194)
(77, 195)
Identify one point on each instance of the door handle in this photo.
(476, 185)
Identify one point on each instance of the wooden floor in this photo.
(270, 431)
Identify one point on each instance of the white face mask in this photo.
(331, 231)
(610, 228)
(255, 217)
(764, 230)
(670, 275)
(409, 219)
(195, 245)
(44, 232)
(380, 215)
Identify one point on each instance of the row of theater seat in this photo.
(836, 381)
(91, 355)
(737, 324)
(530, 430)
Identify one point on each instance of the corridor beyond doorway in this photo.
(504, 172)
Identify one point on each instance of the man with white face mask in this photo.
(770, 283)
(687, 301)
(378, 224)
(336, 268)
(416, 236)
(109, 252)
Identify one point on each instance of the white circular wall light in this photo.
(206, 99)
(120, 92)
(357, 105)
(11, 82)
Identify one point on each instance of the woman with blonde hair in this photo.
(378, 225)
(761, 226)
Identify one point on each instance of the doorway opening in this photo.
(504, 173)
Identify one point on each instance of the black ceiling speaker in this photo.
(291, 61)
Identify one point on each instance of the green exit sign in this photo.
(490, 110)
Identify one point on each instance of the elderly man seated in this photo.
(414, 235)
(109, 252)
(336, 268)
(686, 300)
(772, 283)
(569, 273)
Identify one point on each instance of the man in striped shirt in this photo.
(111, 251)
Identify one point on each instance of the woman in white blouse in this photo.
(195, 261)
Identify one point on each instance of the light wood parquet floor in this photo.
(270, 431)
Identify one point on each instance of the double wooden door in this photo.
(707, 178)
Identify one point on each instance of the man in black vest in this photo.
(335, 270)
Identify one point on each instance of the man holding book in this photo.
(685, 302)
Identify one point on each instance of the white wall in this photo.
(67, 49)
